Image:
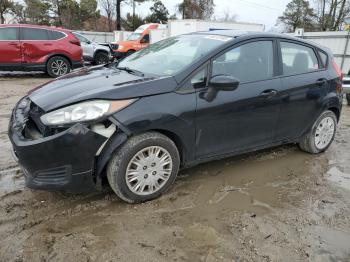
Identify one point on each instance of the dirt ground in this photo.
(277, 205)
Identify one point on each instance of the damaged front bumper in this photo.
(62, 161)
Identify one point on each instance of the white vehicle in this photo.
(346, 87)
(94, 52)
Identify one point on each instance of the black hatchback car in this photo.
(182, 101)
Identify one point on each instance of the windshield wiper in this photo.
(131, 71)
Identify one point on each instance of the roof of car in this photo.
(35, 26)
(238, 33)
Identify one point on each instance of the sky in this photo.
(255, 11)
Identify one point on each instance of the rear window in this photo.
(55, 35)
(298, 59)
(34, 34)
(9, 33)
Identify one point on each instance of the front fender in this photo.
(171, 114)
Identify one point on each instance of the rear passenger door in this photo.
(304, 84)
(36, 45)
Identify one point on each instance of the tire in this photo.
(58, 66)
(122, 165)
(348, 98)
(101, 58)
(310, 143)
(130, 52)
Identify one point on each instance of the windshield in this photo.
(134, 36)
(171, 55)
(81, 38)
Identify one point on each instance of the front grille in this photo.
(53, 175)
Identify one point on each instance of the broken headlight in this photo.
(84, 111)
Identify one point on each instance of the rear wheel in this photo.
(144, 167)
(348, 98)
(58, 66)
(101, 58)
(130, 52)
(321, 135)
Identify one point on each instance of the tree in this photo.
(159, 13)
(131, 22)
(118, 14)
(331, 14)
(89, 12)
(6, 7)
(196, 9)
(108, 8)
(298, 13)
(36, 12)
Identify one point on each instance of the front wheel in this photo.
(58, 66)
(144, 167)
(321, 135)
(101, 58)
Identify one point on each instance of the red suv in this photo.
(39, 48)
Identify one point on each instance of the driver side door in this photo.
(245, 118)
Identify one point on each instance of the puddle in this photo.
(10, 181)
(339, 177)
(333, 245)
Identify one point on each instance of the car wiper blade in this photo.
(131, 71)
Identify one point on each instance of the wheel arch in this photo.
(336, 111)
(119, 138)
(100, 51)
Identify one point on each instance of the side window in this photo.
(34, 34)
(199, 80)
(324, 58)
(248, 62)
(82, 38)
(9, 33)
(145, 39)
(55, 35)
(298, 59)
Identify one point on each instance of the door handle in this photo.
(48, 44)
(268, 93)
(13, 43)
(321, 82)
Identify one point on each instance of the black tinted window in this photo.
(298, 59)
(9, 33)
(248, 62)
(145, 38)
(34, 34)
(55, 35)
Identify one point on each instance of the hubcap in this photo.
(149, 170)
(59, 67)
(324, 132)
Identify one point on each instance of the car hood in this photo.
(100, 82)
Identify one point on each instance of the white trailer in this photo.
(179, 27)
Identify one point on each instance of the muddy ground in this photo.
(276, 205)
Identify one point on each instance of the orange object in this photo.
(136, 41)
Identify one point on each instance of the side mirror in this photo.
(88, 42)
(224, 82)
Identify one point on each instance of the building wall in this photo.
(98, 37)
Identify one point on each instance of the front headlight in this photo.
(120, 47)
(84, 111)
